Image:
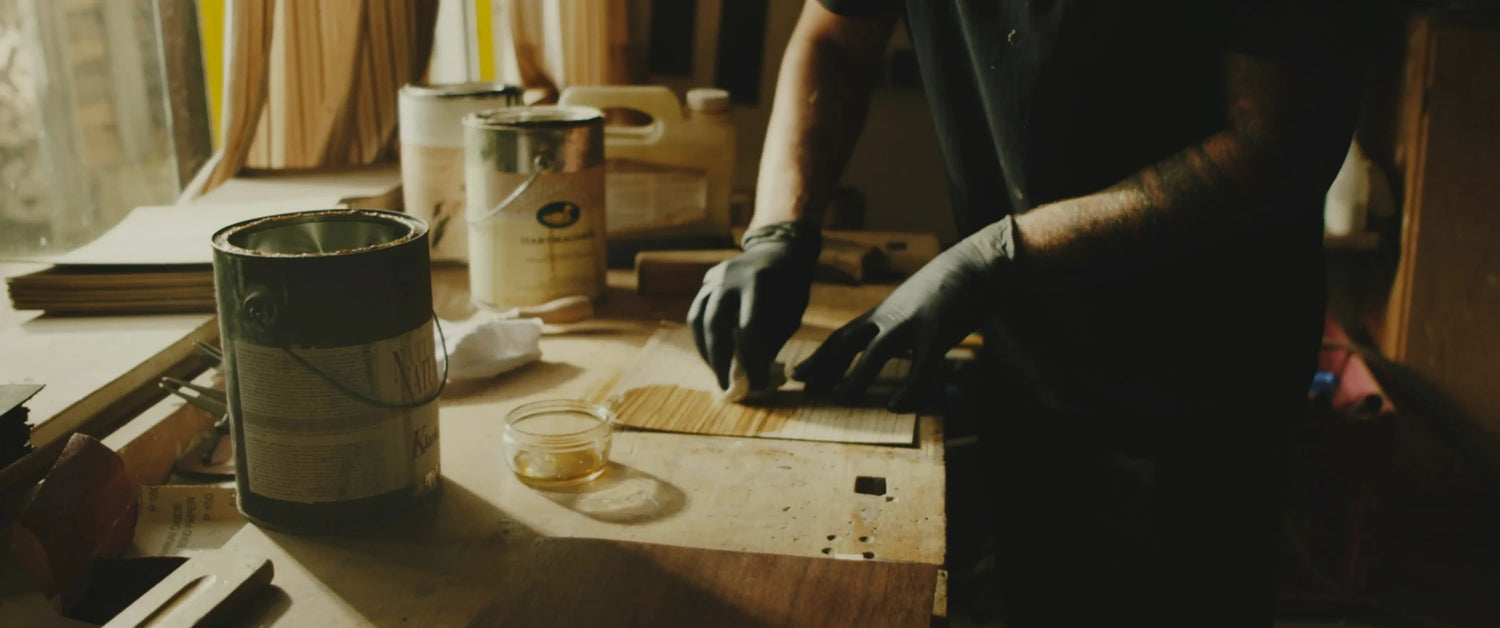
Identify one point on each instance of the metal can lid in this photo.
(536, 116)
(472, 89)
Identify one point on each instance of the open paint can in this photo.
(330, 363)
(535, 189)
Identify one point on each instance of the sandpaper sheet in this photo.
(185, 519)
(669, 388)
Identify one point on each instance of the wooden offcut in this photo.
(680, 273)
(669, 388)
(676, 273)
(902, 252)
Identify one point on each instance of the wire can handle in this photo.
(540, 166)
(442, 343)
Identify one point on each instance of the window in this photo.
(85, 117)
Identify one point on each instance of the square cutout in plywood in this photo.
(669, 388)
(869, 485)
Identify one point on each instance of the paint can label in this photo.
(644, 196)
(308, 441)
(548, 243)
(432, 181)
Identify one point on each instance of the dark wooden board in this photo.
(587, 582)
(1441, 322)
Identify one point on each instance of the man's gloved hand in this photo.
(927, 315)
(751, 305)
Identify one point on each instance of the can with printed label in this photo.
(432, 155)
(535, 204)
(331, 369)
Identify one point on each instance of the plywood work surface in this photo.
(761, 495)
(773, 509)
(669, 388)
(518, 579)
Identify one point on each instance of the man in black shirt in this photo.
(1141, 185)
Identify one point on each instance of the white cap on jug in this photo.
(708, 100)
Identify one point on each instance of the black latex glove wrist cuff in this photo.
(805, 239)
(996, 244)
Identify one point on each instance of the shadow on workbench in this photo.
(566, 592)
(267, 607)
(463, 561)
(623, 494)
(437, 564)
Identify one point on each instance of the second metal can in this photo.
(535, 204)
(432, 155)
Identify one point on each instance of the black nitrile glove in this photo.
(926, 315)
(752, 304)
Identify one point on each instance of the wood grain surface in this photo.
(582, 582)
(447, 562)
(1441, 321)
(669, 388)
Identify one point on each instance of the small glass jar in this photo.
(558, 443)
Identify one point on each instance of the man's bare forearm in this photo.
(822, 95)
(1285, 140)
(1206, 189)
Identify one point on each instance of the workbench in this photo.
(443, 563)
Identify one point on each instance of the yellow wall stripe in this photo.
(211, 37)
(484, 41)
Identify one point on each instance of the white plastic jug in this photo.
(669, 179)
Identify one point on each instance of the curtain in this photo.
(548, 45)
(313, 83)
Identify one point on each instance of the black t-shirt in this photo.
(1036, 101)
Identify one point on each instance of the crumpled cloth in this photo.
(488, 344)
(739, 383)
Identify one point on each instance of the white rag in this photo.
(739, 383)
(488, 344)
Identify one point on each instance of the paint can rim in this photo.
(533, 117)
(470, 89)
(225, 239)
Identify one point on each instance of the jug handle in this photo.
(656, 101)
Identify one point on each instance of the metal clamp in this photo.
(210, 400)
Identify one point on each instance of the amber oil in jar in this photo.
(559, 443)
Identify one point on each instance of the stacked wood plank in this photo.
(157, 259)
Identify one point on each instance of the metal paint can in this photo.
(535, 180)
(330, 363)
(432, 155)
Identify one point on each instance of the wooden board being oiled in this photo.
(669, 388)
